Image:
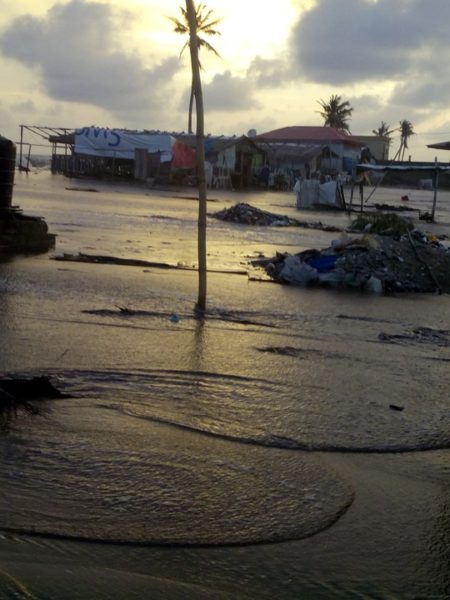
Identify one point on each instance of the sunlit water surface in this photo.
(189, 446)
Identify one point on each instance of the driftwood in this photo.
(98, 259)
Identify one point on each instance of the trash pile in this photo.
(412, 262)
(249, 215)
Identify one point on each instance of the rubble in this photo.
(419, 335)
(413, 262)
(18, 393)
(393, 207)
(249, 215)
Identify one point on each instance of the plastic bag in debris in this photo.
(343, 241)
(334, 277)
(296, 271)
(374, 285)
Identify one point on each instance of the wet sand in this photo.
(195, 461)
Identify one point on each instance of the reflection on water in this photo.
(439, 541)
(89, 474)
(270, 420)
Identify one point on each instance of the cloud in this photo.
(228, 93)
(429, 92)
(25, 107)
(360, 40)
(268, 73)
(77, 51)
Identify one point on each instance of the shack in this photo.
(418, 169)
(231, 162)
(104, 152)
(300, 150)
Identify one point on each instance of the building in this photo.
(378, 146)
(232, 162)
(309, 148)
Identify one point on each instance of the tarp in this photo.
(183, 157)
(118, 143)
(227, 158)
(313, 194)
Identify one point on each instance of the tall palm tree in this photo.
(385, 132)
(336, 112)
(406, 131)
(194, 45)
(205, 24)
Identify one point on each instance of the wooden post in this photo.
(436, 183)
(242, 171)
(21, 144)
(28, 158)
(200, 138)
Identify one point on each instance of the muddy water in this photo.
(314, 419)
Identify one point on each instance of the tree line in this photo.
(336, 113)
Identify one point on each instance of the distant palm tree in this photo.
(205, 24)
(406, 131)
(336, 112)
(384, 131)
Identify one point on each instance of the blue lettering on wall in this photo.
(117, 136)
(111, 137)
(82, 131)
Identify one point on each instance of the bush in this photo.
(384, 224)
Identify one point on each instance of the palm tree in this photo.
(406, 131)
(336, 112)
(205, 24)
(194, 45)
(384, 132)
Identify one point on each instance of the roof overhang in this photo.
(440, 146)
(411, 167)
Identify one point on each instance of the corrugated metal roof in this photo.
(305, 133)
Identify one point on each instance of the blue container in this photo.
(324, 263)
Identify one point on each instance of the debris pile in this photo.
(249, 215)
(19, 393)
(419, 335)
(393, 207)
(414, 262)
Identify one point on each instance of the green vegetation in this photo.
(205, 24)
(336, 112)
(383, 224)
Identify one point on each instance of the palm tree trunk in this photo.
(191, 105)
(200, 134)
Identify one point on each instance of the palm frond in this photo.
(207, 45)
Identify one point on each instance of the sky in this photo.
(117, 64)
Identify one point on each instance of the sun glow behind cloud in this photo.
(276, 61)
(246, 28)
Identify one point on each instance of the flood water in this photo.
(255, 453)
